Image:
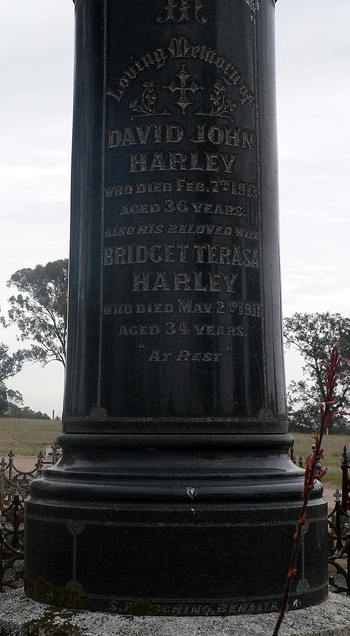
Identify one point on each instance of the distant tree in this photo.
(9, 366)
(25, 413)
(10, 401)
(40, 310)
(304, 413)
(313, 336)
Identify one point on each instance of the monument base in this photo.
(20, 616)
(173, 525)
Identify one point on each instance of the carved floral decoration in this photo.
(146, 105)
(221, 105)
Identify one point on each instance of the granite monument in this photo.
(175, 493)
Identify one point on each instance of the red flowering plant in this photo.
(312, 472)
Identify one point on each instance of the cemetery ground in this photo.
(333, 446)
(26, 438)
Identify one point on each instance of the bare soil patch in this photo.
(24, 463)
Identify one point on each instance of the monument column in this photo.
(175, 488)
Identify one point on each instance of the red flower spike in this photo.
(322, 473)
(302, 519)
(327, 410)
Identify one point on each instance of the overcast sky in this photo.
(313, 71)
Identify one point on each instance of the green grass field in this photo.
(333, 449)
(27, 437)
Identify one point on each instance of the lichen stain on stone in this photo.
(4, 631)
(140, 608)
(49, 626)
(45, 592)
(52, 623)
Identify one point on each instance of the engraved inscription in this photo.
(184, 328)
(206, 229)
(217, 185)
(181, 160)
(184, 355)
(183, 11)
(189, 306)
(205, 608)
(181, 253)
(180, 48)
(172, 132)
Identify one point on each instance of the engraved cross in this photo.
(184, 101)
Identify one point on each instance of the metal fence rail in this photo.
(14, 484)
(339, 547)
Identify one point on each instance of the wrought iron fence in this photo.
(345, 486)
(339, 547)
(338, 527)
(14, 485)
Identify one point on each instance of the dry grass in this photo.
(27, 437)
(333, 449)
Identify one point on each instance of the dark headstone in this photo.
(175, 494)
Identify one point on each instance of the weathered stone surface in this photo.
(19, 616)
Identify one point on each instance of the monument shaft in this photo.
(175, 221)
(175, 469)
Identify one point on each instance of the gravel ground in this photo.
(20, 616)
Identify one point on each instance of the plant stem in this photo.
(326, 413)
